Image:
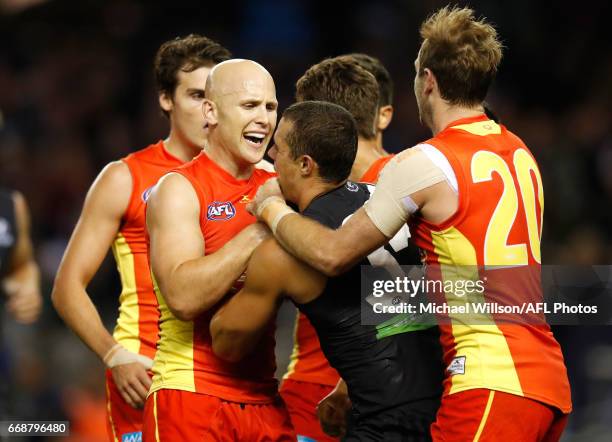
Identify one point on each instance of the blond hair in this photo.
(462, 52)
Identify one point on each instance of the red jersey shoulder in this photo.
(261, 175)
(146, 167)
(142, 154)
(154, 155)
(371, 175)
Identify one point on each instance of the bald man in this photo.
(201, 237)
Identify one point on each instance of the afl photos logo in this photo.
(218, 211)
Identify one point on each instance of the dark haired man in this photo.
(341, 80)
(385, 94)
(473, 196)
(394, 389)
(114, 214)
(344, 81)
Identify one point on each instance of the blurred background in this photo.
(77, 91)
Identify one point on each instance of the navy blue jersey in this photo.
(402, 370)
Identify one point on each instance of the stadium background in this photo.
(76, 92)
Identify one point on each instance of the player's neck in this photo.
(443, 114)
(313, 189)
(379, 143)
(179, 149)
(367, 154)
(236, 167)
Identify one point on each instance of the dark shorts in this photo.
(397, 424)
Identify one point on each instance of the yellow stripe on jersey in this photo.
(482, 128)
(155, 417)
(488, 361)
(173, 365)
(485, 416)
(127, 330)
(296, 348)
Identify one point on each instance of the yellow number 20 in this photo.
(496, 248)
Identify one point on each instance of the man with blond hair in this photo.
(473, 198)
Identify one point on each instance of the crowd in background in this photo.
(77, 91)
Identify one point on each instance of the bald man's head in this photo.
(240, 108)
(232, 75)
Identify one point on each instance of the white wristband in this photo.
(118, 355)
(283, 212)
(265, 203)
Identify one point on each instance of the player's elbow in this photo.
(59, 297)
(332, 262)
(55, 297)
(181, 308)
(180, 299)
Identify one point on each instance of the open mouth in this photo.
(254, 139)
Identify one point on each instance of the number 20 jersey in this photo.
(497, 225)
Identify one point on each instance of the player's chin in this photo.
(253, 153)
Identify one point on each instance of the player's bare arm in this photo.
(329, 251)
(190, 281)
(22, 284)
(93, 235)
(104, 207)
(410, 183)
(272, 273)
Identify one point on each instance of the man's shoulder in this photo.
(145, 154)
(333, 207)
(261, 175)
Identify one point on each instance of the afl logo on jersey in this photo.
(147, 193)
(218, 211)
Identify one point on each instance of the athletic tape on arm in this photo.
(407, 173)
(118, 355)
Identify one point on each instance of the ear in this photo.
(165, 102)
(385, 115)
(307, 165)
(209, 109)
(429, 82)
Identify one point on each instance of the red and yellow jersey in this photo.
(185, 359)
(371, 175)
(137, 325)
(308, 364)
(497, 227)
